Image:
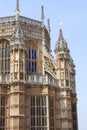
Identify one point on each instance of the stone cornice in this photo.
(22, 19)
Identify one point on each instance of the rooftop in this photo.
(22, 19)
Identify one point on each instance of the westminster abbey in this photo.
(37, 91)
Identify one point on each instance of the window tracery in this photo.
(38, 112)
(31, 57)
(4, 56)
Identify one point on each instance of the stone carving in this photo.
(49, 66)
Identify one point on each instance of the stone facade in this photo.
(37, 91)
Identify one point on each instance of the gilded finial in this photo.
(17, 11)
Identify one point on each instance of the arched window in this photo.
(2, 112)
(4, 56)
(31, 57)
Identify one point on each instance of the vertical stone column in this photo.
(17, 108)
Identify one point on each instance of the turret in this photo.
(66, 77)
(61, 45)
(18, 51)
(64, 62)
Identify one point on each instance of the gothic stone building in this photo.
(37, 91)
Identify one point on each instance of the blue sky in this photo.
(73, 13)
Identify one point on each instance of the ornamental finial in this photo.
(48, 22)
(42, 14)
(17, 10)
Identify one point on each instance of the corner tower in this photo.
(66, 76)
(18, 51)
(17, 77)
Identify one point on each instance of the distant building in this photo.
(37, 92)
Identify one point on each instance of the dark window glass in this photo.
(33, 129)
(38, 112)
(51, 103)
(9, 65)
(2, 111)
(33, 66)
(44, 112)
(3, 65)
(52, 122)
(2, 101)
(32, 101)
(7, 53)
(3, 52)
(28, 65)
(4, 56)
(74, 126)
(43, 101)
(51, 112)
(74, 117)
(33, 111)
(32, 121)
(67, 83)
(38, 101)
(28, 54)
(34, 54)
(74, 108)
(2, 121)
(31, 60)
(44, 121)
(38, 121)
(6, 65)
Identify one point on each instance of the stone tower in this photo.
(66, 76)
(17, 77)
(37, 91)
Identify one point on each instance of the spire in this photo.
(48, 22)
(60, 35)
(42, 15)
(17, 36)
(17, 10)
(60, 31)
(17, 32)
(61, 43)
